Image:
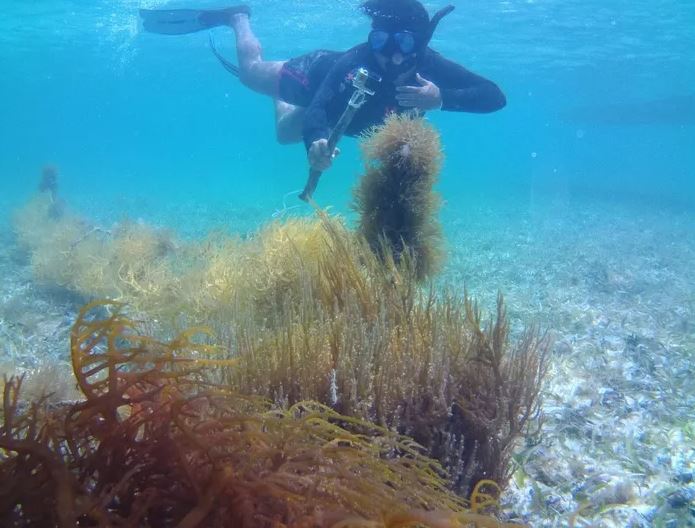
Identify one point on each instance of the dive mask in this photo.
(383, 41)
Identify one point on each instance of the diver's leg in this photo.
(288, 122)
(259, 75)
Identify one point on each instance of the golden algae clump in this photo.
(152, 444)
(278, 259)
(140, 265)
(146, 268)
(223, 276)
(309, 311)
(209, 274)
(130, 262)
(31, 222)
(48, 240)
(395, 198)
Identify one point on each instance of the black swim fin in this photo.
(182, 21)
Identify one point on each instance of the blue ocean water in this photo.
(601, 100)
(577, 200)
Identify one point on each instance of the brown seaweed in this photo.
(309, 311)
(153, 444)
(395, 199)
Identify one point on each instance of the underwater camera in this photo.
(366, 81)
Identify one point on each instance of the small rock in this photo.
(563, 348)
(559, 504)
(618, 492)
(681, 498)
(609, 397)
(684, 478)
(663, 459)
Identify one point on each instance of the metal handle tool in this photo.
(358, 98)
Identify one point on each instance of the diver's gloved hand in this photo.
(427, 96)
(319, 157)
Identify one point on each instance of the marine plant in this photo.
(364, 339)
(311, 312)
(49, 180)
(152, 443)
(154, 273)
(395, 197)
(130, 261)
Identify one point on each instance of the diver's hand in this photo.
(427, 96)
(319, 157)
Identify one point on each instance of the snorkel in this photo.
(435, 22)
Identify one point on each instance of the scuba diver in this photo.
(312, 91)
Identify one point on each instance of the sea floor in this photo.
(613, 283)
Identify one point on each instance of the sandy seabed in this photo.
(614, 284)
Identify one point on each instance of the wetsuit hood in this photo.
(410, 15)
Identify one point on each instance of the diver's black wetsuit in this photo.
(322, 82)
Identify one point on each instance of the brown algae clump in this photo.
(152, 443)
(395, 198)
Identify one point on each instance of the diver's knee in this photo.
(248, 77)
(284, 137)
(287, 133)
(254, 75)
